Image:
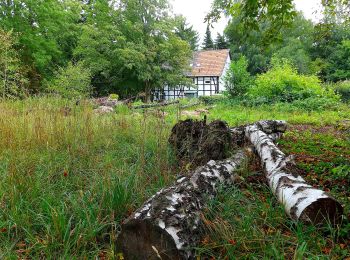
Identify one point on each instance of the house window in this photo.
(207, 82)
(191, 95)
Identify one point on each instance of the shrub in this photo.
(316, 103)
(238, 79)
(71, 82)
(210, 100)
(343, 89)
(114, 96)
(13, 78)
(282, 83)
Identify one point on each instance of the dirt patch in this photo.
(337, 131)
(196, 142)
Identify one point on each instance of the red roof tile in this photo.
(209, 63)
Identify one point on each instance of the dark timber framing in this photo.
(205, 86)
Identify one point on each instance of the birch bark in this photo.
(301, 201)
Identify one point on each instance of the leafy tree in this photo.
(186, 32)
(238, 79)
(275, 14)
(220, 42)
(330, 46)
(338, 63)
(251, 14)
(208, 41)
(12, 72)
(294, 44)
(73, 81)
(134, 48)
(47, 32)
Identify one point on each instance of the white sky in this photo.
(196, 10)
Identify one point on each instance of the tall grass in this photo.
(68, 176)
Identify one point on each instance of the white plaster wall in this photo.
(226, 68)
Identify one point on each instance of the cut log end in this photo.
(146, 240)
(324, 210)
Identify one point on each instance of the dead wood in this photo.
(169, 224)
(302, 202)
(197, 143)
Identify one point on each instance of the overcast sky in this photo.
(196, 10)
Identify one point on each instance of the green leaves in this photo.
(238, 80)
(73, 81)
(275, 13)
(13, 80)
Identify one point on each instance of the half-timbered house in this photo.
(208, 69)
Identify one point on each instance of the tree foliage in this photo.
(208, 42)
(128, 46)
(275, 14)
(72, 81)
(47, 31)
(186, 32)
(282, 83)
(13, 81)
(220, 42)
(238, 79)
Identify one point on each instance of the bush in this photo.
(343, 89)
(13, 78)
(316, 104)
(282, 83)
(114, 96)
(210, 100)
(238, 79)
(71, 82)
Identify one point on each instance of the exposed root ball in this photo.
(196, 142)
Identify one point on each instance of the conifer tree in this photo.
(208, 41)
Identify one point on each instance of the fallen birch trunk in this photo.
(163, 104)
(273, 128)
(301, 201)
(168, 225)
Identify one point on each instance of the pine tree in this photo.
(220, 42)
(208, 41)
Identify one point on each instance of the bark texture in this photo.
(301, 201)
(273, 128)
(168, 225)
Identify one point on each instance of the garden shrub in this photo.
(114, 96)
(210, 100)
(343, 89)
(282, 83)
(238, 79)
(316, 103)
(73, 81)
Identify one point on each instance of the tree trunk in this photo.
(147, 92)
(168, 225)
(273, 128)
(301, 201)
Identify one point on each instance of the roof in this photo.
(209, 62)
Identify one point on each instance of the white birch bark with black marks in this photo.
(168, 225)
(302, 202)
